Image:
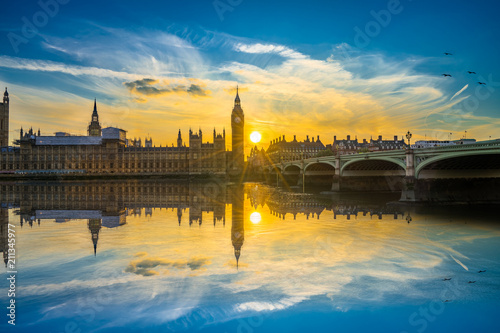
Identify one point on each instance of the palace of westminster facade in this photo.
(108, 151)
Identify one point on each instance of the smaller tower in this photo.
(179, 139)
(94, 127)
(4, 120)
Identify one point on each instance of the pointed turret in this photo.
(179, 139)
(6, 96)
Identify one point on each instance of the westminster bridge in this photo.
(448, 173)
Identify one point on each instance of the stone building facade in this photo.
(107, 151)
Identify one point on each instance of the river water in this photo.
(138, 256)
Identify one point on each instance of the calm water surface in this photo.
(211, 257)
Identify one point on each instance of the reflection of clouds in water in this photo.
(346, 263)
(267, 306)
(351, 263)
(145, 266)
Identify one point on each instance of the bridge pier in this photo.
(336, 183)
(301, 179)
(408, 192)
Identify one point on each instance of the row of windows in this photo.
(124, 165)
(28, 157)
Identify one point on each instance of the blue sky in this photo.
(307, 68)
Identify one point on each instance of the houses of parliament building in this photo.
(106, 151)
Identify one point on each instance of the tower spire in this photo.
(237, 99)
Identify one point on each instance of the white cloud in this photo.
(260, 48)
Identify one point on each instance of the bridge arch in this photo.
(395, 163)
(461, 161)
(325, 164)
(292, 167)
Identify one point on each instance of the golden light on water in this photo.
(255, 217)
(255, 137)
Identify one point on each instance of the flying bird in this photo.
(446, 301)
(482, 271)
(446, 75)
(472, 281)
(481, 83)
(446, 279)
(471, 72)
(448, 53)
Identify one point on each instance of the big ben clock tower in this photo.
(238, 136)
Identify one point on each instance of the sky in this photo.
(359, 68)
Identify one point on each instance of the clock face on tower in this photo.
(237, 120)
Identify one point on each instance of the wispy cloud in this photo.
(148, 75)
(51, 66)
(459, 92)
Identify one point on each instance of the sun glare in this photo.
(255, 217)
(255, 137)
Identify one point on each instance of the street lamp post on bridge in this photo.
(408, 136)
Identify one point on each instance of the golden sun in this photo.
(255, 137)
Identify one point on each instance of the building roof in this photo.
(68, 140)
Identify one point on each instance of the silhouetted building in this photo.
(349, 146)
(256, 159)
(281, 150)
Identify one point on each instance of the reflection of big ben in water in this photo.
(94, 227)
(237, 227)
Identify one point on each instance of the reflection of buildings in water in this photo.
(4, 231)
(107, 205)
(349, 210)
(238, 222)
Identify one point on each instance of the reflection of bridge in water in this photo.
(282, 203)
(421, 174)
